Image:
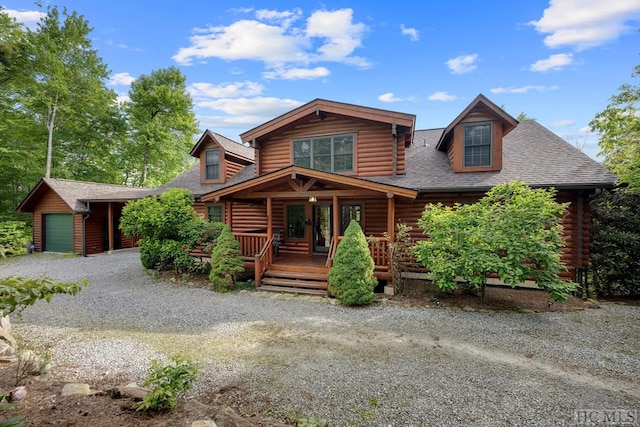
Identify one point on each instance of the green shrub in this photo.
(351, 278)
(513, 231)
(168, 383)
(226, 260)
(14, 236)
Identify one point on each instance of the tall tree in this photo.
(619, 129)
(162, 126)
(69, 90)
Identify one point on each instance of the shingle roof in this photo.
(227, 144)
(76, 193)
(531, 153)
(190, 180)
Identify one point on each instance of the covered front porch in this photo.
(299, 216)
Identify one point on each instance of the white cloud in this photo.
(564, 123)
(522, 89)
(225, 90)
(286, 18)
(341, 36)
(554, 62)
(121, 79)
(122, 98)
(389, 97)
(463, 64)
(330, 36)
(442, 96)
(413, 34)
(585, 23)
(297, 73)
(263, 107)
(27, 17)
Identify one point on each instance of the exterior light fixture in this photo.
(313, 199)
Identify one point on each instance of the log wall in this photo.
(373, 145)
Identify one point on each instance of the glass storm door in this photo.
(322, 228)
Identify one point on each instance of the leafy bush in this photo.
(514, 231)
(615, 243)
(17, 293)
(168, 383)
(226, 260)
(351, 278)
(15, 421)
(169, 227)
(14, 236)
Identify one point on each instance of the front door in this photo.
(322, 228)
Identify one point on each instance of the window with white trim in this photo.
(477, 145)
(325, 153)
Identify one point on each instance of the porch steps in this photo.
(300, 282)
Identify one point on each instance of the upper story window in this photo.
(477, 145)
(212, 164)
(326, 153)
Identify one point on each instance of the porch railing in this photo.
(378, 247)
(251, 243)
(263, 260)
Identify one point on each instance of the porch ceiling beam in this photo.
(309, 184)
(318, 194)
(295, 185)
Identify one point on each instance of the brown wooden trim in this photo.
(391, 221)
(336, 215)
(310, 109)
(110, 225)
(339, 179)
(222, 164)
(318, 193)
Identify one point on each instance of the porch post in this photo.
(336, 217)
(110, 226)
(229, 213)
(269, 214)
(391, 217)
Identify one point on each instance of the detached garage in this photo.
(76, 216)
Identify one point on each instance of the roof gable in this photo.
(229, 146)
(319, 107)
(480, 104)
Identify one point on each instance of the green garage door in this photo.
(58, 233)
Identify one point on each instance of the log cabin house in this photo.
(291, 187)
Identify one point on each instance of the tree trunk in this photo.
(145, 160)
(484, 288)
(51, 120)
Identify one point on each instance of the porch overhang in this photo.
(300, 182)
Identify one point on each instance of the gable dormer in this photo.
(473, 141)
(335, 137)
(220, 157)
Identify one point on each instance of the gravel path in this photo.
(384, 365)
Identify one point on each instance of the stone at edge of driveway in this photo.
(76, 388)
(204, 423)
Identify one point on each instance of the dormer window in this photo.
(212, 164)
(326, 153)
(477, 145)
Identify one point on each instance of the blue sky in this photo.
(558, 61)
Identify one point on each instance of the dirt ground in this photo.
(44, 405)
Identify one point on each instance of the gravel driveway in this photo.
(384, 365)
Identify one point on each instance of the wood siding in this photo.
(373, 145)
(49, 203)
(231, 167)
